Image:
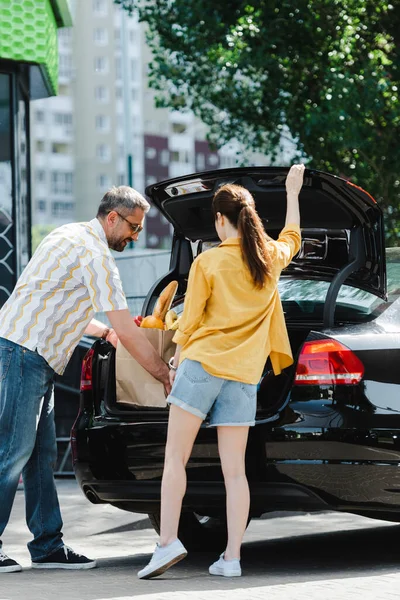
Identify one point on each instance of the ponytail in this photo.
(237, 205)
(253, 243)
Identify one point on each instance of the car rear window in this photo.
(305, 298)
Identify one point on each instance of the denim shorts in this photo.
(224, 401)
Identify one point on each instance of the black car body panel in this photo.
(313, 446)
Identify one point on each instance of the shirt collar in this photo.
(98, 227)
(231, 241)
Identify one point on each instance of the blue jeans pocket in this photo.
(5, 361)
(193, 371)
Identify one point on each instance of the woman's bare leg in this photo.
(182, 431)
(232, 443)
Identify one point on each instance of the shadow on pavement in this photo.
(302, 558)
(311, 557)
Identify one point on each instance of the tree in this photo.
(39, 232)
(325, 70)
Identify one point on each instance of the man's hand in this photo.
(172, 375)
(294, 180)
(133, 339)
(112, 338)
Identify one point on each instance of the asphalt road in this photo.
(324, 555)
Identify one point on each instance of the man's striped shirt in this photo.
(71, 276)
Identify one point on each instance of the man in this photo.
(71, 276)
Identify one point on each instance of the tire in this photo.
(198, 533)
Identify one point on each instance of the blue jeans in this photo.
(226, 402)
(28, 445)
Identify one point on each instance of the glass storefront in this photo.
(7, 237)
(15, 219)
(28, 70)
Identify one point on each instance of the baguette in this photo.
(164, 300)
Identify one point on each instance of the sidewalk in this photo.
(301, 557)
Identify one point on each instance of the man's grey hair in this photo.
(122, 199)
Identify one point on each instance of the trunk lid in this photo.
(341, 223)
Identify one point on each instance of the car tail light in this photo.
(86, 373)
(323, 362)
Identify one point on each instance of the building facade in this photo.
(104, 129)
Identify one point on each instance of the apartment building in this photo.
(103, 129)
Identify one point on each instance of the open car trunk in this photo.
(342, 243)
(342, 226)
(272, 393)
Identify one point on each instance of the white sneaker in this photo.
(163, 558)
(226, 568)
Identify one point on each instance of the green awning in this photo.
(28, 34)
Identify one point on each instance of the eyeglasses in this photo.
(135, 228)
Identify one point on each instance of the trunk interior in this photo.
(272, 393)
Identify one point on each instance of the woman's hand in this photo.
(294, 180)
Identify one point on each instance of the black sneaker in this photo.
(7, 564)
(64, 558)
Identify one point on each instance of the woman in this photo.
(232, 321)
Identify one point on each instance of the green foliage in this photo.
(38, 233)
(327, 71)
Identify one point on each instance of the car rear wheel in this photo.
(198, 532)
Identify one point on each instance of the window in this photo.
(121, 151)
(118, 91)
(132, 35)
(103, 182)
(60, 148)
(134, 68)
(182, 156)
(117, 37)
(178, 128)
(100, 36)
(118, 68)
(134, 94)
(121, 179)
(151, 179)
(100, 8)
(63, 118)
(65, 65)
(201, 161)
(307, 297)
(61, 182)
(164, 157)
(62, 209)
(40, 176)
(39, 116)
(41, 205)
(101, 94)
(63, 90)
(101, 65)
(102, 123)
(39, 146)
(103, 152)
(65, 36)
(213, 159)
(151, 153)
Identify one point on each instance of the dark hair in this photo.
(124, 199)
(237, 205)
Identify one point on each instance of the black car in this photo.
(327, 434)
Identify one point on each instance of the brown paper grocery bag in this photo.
(135, 385)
